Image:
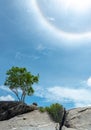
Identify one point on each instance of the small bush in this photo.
(42, 109)
(56, 112)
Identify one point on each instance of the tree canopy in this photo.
(20, 81)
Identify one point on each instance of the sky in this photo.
(51, 38)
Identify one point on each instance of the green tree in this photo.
(19, 79)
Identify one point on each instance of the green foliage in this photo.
(20, 79)
(42, 109)
(55, 111)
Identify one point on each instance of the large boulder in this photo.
(9, 109)
(78, 119)
(34, 120)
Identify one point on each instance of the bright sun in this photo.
(76, 5)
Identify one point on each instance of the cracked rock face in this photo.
(78, 119)
(34, 120)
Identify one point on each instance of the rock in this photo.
(65, 128)
(35, 104)
(78, 119)
(34, 120)
(23, 117)
(9, 109)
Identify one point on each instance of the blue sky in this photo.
(52, 38)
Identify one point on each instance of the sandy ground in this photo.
(30, 121)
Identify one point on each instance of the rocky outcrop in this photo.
(9, 109)
(34, 120)
(78, 119)
(25, 118)
(13, 113)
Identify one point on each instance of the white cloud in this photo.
(79, 96)
(21, 56)
(6, 98)
(5, 88)
(39, 91)
(89, 81)
(40, 47)
(18, 55)
(51, 19)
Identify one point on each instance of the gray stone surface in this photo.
(30, 121)
(78, 119)
(65, 128)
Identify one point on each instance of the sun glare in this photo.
(80, 6)
(75, 5)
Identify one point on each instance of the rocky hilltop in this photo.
(18, 116)
(78, 119)
(24, 117)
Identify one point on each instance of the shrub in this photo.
(42, 109)
(56, 112)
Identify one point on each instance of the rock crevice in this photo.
(63, 119)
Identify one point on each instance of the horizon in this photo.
(52, 38)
